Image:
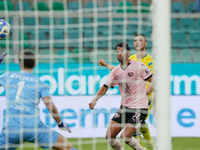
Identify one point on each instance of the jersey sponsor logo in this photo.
(17, 107)
(117, 77)
(130, 74)
(126, 88)
(151, 63)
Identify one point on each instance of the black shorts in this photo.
(126, 115)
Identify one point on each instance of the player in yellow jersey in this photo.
(140, 42)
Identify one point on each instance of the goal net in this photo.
(68, 38)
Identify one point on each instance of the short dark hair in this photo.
(27, 59)
(123, 44)
(140, 34)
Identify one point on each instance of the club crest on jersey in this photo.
(130, 74)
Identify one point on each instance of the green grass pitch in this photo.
(101, 144)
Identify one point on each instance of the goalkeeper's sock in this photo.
(134, 144)
(115, 144)
(138, 137)
(146, 134)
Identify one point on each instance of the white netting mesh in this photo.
(68, 38)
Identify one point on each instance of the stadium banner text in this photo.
(86, 79)
(84, 122)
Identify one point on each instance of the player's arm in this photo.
(111, 82)
(54, 113)
(148, 91)
(147, 76)
(52, 108)
(150, 87)
(99, 94)
(3, 79)
(2, 57)
(150, 64)
(103, 63)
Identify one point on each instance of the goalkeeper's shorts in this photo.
(12, 137)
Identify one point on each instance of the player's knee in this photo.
(62, 144)
(69, 146)
(125, 138)
(110, 139)
(106, 136)
(109, 136)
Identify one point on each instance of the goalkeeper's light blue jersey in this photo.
(23, 93)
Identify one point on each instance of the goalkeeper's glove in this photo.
(64, 126)
(2, 57)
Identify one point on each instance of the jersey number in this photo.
(19, 91)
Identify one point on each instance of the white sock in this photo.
(115, 144)
(134, 144)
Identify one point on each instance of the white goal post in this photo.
(162, 52)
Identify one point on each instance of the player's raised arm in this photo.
(103, 63)
(99, 94)
(54, 113)
(2, 57)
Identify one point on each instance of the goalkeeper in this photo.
(140, 42)
(23, 123)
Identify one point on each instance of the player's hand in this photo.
(64, 126)
(2, 57)
(102, 62)
(92, 104)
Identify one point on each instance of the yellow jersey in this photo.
(148, 61)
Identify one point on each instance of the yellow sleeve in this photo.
(132, 57)
(148, 61)
(150, 64)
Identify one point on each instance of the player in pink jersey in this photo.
(131, 76)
